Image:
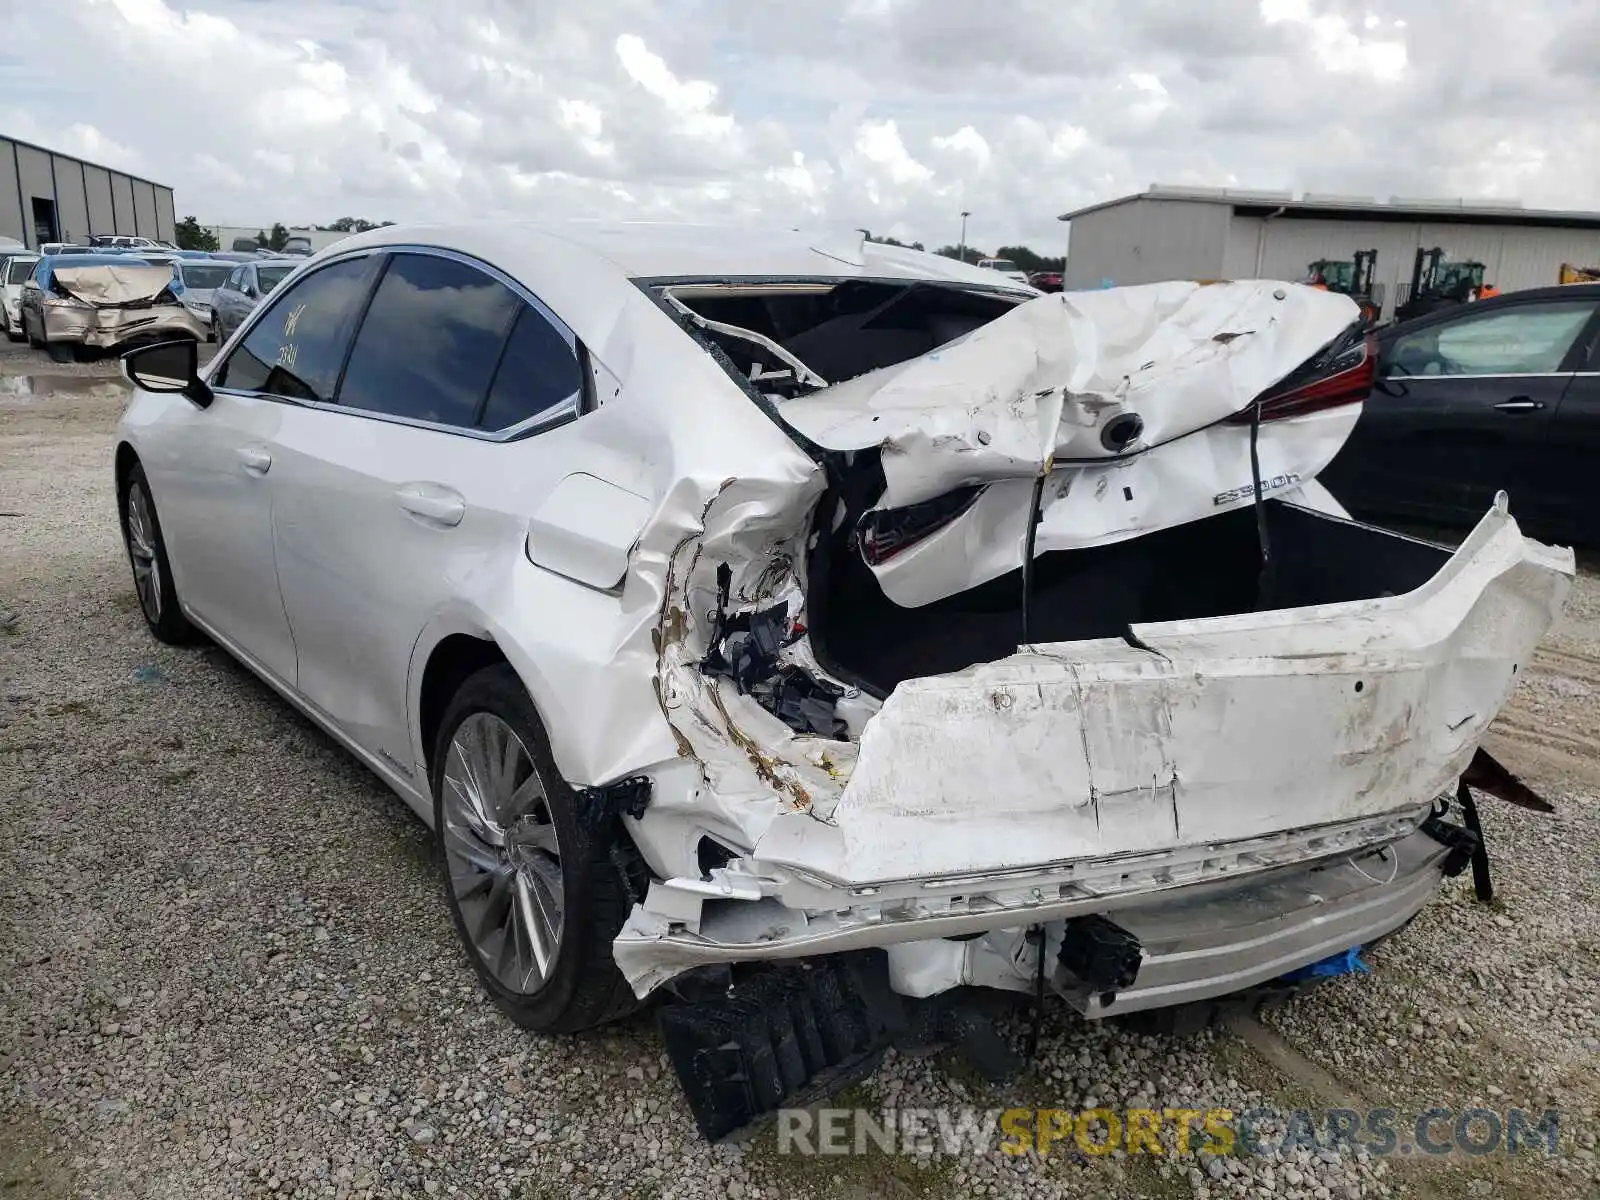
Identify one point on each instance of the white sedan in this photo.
(727, 600)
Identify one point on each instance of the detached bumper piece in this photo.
(794, 1034)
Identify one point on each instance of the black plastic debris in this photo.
(747, 651)
(598, 806)
(1463, 844)
(1100, 953)
(792, 1034)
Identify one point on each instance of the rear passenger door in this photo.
(1575, 450)
(415, 486)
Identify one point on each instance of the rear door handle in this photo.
(1519, 404)
(433, 503)
(255, 460)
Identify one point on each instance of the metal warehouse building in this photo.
(50, 197)
(1219, 233)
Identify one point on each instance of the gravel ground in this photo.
(226, 969)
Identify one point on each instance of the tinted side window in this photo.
(1526, 340)
(296, 348)
(428, 346)
(539, 370)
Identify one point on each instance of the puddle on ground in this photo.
(39, 387)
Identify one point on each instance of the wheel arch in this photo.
(452, 659)
(126, 459)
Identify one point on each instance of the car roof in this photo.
(652, 250)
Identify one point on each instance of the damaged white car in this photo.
(805, 631)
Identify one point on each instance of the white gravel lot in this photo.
(226, 969)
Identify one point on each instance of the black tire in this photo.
(27, 332)
(602, 875)
(167, 622)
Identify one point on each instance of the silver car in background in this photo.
(15, 269)
(242, 290)
(200, 278)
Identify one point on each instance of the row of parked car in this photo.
(123, 290)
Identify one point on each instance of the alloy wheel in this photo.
(142, 551)
(502, 852)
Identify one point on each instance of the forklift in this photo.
(1350, 277)
(1437, 283)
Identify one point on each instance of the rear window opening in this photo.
(775, 333)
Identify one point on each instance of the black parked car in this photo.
(1500, 394)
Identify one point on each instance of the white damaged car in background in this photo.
(822, 637)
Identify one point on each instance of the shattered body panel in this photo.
(109, 305)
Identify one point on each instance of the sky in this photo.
(890, 115)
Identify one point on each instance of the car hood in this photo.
(110, 285)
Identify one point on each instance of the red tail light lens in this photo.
(885, 532)
(1343, 375)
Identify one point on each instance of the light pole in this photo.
(961, 251)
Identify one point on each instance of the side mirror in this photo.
(168, 367)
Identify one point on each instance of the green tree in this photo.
(261, 238)
(971, 255)
(280, 235)
(1028, 260)
(191, 235)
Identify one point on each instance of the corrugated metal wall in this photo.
(1515, 256)
(1146, 241)
(166, 217)
(12, 224)
(33, 168)
(144, 210)
(86, 199)
(101, 218)
(122, 199)
(72, 209)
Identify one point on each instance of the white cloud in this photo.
(889, 114)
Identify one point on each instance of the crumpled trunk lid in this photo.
(114, 286)
(1058, 385)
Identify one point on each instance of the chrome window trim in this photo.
(1501, 375)
(566, 410)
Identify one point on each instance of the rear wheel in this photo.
(152, 573)
(536, 894)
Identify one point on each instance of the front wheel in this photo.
(537, 894)
(152, 573)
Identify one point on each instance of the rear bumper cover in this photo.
(107, 327)
(1216, 918)
(1092, 777)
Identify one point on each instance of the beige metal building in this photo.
(1220, 233)
(51, 197)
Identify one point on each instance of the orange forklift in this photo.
(1349, 277)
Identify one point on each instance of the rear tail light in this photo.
(1344, 374)
(885, 532)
